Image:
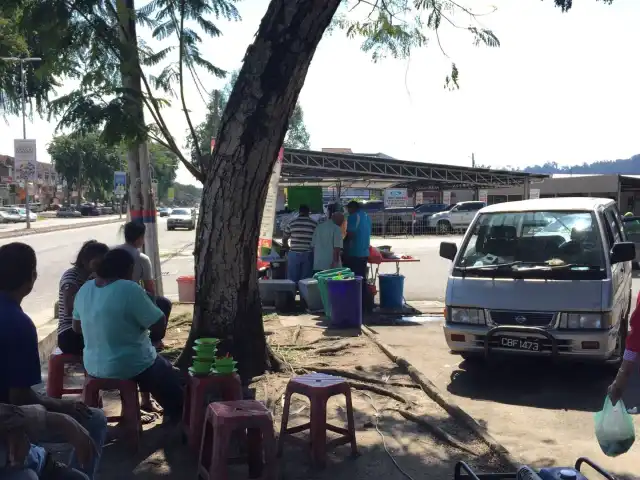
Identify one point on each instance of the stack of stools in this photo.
(55, 375)
(319, 387)
(130, 416)
(196, 398)
(225, 418)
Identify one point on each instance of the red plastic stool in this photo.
(55, 374)
(199, 393)
(319, 387)
(223, 418)
(130, 413)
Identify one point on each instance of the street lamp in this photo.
(22, 61)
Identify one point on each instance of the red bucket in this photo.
(187, 289)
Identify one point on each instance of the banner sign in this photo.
(269, 211)
(25, 163)
(446, 197)
(534, 193)
(419, 198)
(119, 183)
(395, 197)
(171, 194)
(483, 195)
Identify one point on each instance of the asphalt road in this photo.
(56, 251)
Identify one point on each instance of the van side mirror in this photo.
(621, 252)
(448, 250)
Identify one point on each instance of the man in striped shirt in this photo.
(297, 238)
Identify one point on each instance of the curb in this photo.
(57, 228)
(443, 399)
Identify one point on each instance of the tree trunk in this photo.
(253, 127)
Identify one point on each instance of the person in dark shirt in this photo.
(20, 362)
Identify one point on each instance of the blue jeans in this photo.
(96, 425)
(299, 266)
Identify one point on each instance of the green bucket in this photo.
(323, 277)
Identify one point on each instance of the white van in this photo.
(545, 277)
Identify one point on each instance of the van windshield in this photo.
(538, 244)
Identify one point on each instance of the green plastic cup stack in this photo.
(205, 355)
(224, 365)
(323, 277)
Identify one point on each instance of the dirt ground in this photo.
(390, 445)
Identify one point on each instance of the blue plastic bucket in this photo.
(345, 298)
(391, 291)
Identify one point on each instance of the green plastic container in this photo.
(322, 278)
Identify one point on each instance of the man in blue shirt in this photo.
(20, 370)
(357, 248)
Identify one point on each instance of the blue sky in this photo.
(562, 87)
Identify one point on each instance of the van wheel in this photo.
(444, 227)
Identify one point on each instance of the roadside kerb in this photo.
(57, 228)
(443, 399)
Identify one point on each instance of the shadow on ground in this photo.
(539, 383)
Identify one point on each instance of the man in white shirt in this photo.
(327, 243)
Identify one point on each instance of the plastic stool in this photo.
(130, 412)
(228, 388)
(55, 374)
(319, 387)
(223, 418)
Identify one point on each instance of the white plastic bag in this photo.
(614, 428)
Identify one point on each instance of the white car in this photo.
(459, 216)
(8, 217)
(182, 218)
(23, 215)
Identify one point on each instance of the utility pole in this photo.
(23, 95)
(141, 202)
(473, 160)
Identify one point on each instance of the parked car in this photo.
(563, 291)
(21, 213)
(164, 212)
(425, 210)
(457, 217)
(68, 212)
(90, 210)
(182, 218)
(7, 216)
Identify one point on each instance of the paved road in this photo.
(56, 250)
(54, 222)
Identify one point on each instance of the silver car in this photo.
(546, 277)
(182, 218)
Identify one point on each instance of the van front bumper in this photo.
(596, 345)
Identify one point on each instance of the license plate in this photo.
(520, 344)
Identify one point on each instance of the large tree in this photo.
(297, 135)
(253, 125)
(85, 163)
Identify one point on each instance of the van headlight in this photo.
(469, 316)
(576, 321)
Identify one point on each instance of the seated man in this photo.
(18, 424)
(143, 274)
(20, 368)
(115, 316)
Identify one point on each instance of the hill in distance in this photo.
(627, 166)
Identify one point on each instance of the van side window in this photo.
(610, 217)
(607, 230)
(618, 219)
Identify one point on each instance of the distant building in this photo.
(42, 191)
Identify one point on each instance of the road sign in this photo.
(395, 197)
(119, 183)
(25, 163)
(171, 194)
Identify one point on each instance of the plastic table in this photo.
(377, 261)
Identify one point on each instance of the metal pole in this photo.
(24, 137)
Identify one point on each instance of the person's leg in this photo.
(359, 268)
(71, 342)
(293, 267)
(14, 474)
(163, 382)
(96, 425)
(307, 266)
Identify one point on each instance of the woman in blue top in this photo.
(114, 315)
